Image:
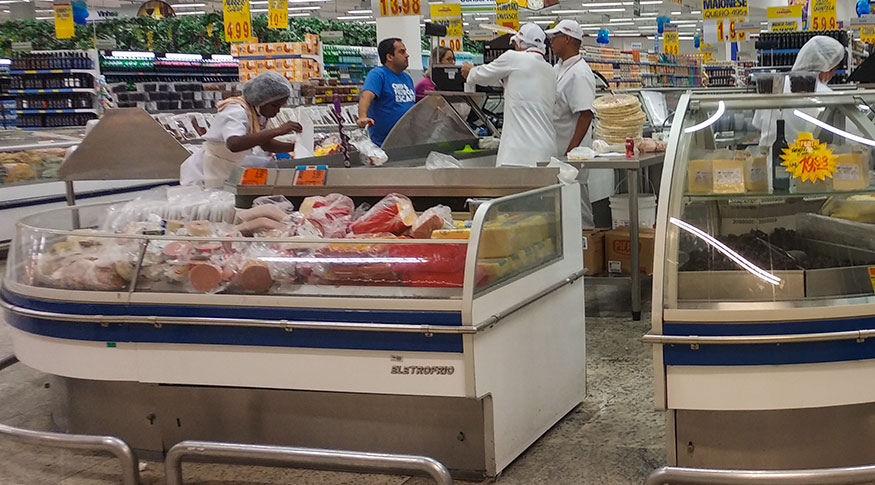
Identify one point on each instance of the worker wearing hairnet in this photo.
(237, 136)
(821, 55)
(529, 81)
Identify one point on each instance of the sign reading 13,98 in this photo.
(238, 26)
(396, 8)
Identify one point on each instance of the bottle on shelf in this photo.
(780, 176)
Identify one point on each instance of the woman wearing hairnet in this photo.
(237, 135)
(821, 55)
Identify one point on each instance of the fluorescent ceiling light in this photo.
(651, 2)
(316, 7)
(639, 19)
(544, 22)
(620, 20)
(602, 4)
(590, 28)
(303, 14)
(374, 21)
(197, 12)
(696, 12)
(359, 12)
(729, 253)
(684, 22)
(650, 14)
(685, 38)
(573, 11)
(480, 19)
(688, 26)
(188, 5)
(764, 23)
(676, 13)
(600, 10)
(833, 129)
(721, 108)
(354, 17)
(44, 18)
(622, 23)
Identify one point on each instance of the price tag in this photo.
(670, 43)
(278, 14)
(254, 176)
(809, 159)
(396, 8)
(507, 14)
(823, 15)
(450, 16)
(238, 24)
(728, 30)
(310, 175)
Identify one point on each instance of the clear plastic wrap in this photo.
(279, 201)
(330, 215)
(432, 219)
(393, 214)
(182, 203)
(371, 154)
(436, 160)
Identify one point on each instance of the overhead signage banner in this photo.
(866, 25)
(64, 26)
(507, 14)
(449, 15)
(708, 51)
(724, 9)
(238, 24)
(823, 15)
(278, 14)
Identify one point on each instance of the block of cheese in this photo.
(700, 178)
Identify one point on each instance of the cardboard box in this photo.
(618, 253)
(594, 251)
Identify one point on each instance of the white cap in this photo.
(568, 27)
(532, 36)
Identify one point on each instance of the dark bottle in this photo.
(781, 178)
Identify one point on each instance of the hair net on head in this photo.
(819, 54)
(531, 36)
(265, 88)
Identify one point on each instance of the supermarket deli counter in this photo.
(763, 300)
(403, 327)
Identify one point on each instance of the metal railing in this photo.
(314, 459)
(858, 335)
(853, 475)
(108, 444)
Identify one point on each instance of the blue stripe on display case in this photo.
(238, 335)
(768, 354)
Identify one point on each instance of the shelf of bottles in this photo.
(7, 100)
(629, 69)
(349, 64)
(719, 75)
(776, 51)
(53, 88)
(128, 66)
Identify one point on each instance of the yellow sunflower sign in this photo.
(809, 159)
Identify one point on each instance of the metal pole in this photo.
(121, 450)
(71, 201)
(632, 181)
(316, 459)
(854, 475)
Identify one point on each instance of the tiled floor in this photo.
(615, 437)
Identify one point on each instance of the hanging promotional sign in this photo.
(238, 23)
(507, 14)
(724, 9)
(727, 30)
(278, 14)
(808, 159)
(866, 25)
(396, 8)
(64, 26)
(823, 15)
(709, 52)
(670, 41)
(785, 19)
(450, 16)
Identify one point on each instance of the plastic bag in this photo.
(434, 218)
(183, 203)
(280, 201)
(331, 214)
(438, 160)
(581, 153)
(393, 214)
(567, 173)
(489, 143)
(371, 154)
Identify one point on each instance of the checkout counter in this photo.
(466, 350)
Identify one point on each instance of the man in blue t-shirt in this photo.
(388, 91)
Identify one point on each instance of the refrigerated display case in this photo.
(764, 285)
(465, 349)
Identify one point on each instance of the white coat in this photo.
(527, 135)
(766, 120)
(213, 163)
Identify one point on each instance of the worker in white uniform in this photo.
(527, 136)
(821, 55)
(572, 116)
(237, 136)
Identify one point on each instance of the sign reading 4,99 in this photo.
(238, 26)
(396, 8)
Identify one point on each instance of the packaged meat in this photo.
(393, 214)
(205, 277)
(428, 258)
(434, 218)
(330, 214)
(269, 211)
(279, 201)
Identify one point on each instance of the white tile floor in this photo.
(615, 437)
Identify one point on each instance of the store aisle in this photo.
(615, 437)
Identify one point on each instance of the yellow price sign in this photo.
(278, 14)
(238, 23)
(670, 43)
(396, 8)
(64, 26)
(727, 30)
(507, 14)
(823, 15)
(449, 15)
(809, 159)
(867, 34)
(784, 26)
(724, 9)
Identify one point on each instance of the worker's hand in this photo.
(466, 68)
(364, 122)
(289, 127)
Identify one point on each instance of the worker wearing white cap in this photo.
(573, 111)
(529, 82)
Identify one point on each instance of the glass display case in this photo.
(30, 156)
(764, 281)
(776, 210)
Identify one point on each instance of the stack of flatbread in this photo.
(619, 117)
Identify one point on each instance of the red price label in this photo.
(254, 176)
(310, 175)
